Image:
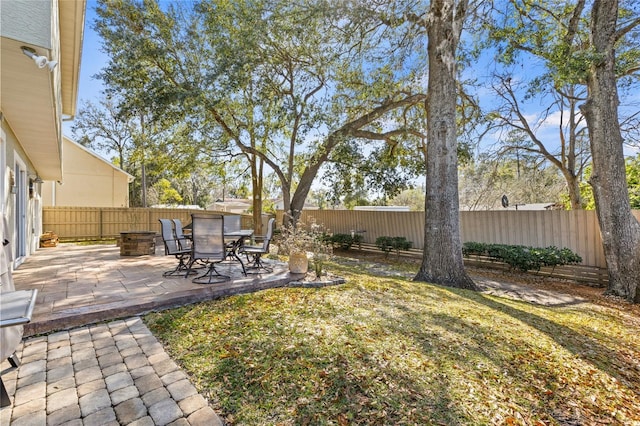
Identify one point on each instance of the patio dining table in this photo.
(236, 240)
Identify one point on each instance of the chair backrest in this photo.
(232, 222)
(171, 245)
(177, 226)
(268, 236)
(182, 240)
(207, 233)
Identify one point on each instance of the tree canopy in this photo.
(281, 83)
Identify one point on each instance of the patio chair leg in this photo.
(257, 266)
(233, 254)
(182, 270)
(212, 276)
(244, 270)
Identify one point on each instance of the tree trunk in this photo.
(287, 217)
(619, 229)
(442, 256)
(573, 170)
(573, 185)
(256, 186)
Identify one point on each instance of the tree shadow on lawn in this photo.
(341, 396)
(589, 349)
(466, 352)
(348, 383)
(315, 380)
(288, 375)
(499, 359)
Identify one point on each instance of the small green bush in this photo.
(473, 248)
(386, 244)
(344, 241)
(521, 257)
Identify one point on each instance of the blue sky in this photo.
(92, 62)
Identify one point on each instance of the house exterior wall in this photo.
(31, 108)
(15, 190)
(88, 181)
(29, 21)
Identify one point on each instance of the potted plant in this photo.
(300, 240)
(295, 242)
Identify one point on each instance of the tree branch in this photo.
(624, 30)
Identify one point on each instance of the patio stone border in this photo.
(317, 283)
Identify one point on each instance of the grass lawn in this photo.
(389, 351)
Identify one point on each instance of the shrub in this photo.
(386, 244)
(473, 248)
(344, 241)
(521, 257)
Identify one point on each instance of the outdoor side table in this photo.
(16, 308)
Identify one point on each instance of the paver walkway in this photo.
(114, 373)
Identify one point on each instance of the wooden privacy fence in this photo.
(576, 229)
(90, 223)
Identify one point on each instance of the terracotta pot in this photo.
(298, 263)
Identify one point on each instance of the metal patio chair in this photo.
(208, 247)
(172, 247)
(183, 240)
(232, 224)
(254, 253)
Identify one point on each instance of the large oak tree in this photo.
(594, 47)
(271, 78)
(620, 230)
(442, 259)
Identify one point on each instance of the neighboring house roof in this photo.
(279, 205)
(93, 154)
(383, 208)
(35, 99)
(536, 206)
(177, 206)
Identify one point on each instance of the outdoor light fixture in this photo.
(41, 61)
(36, 178)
